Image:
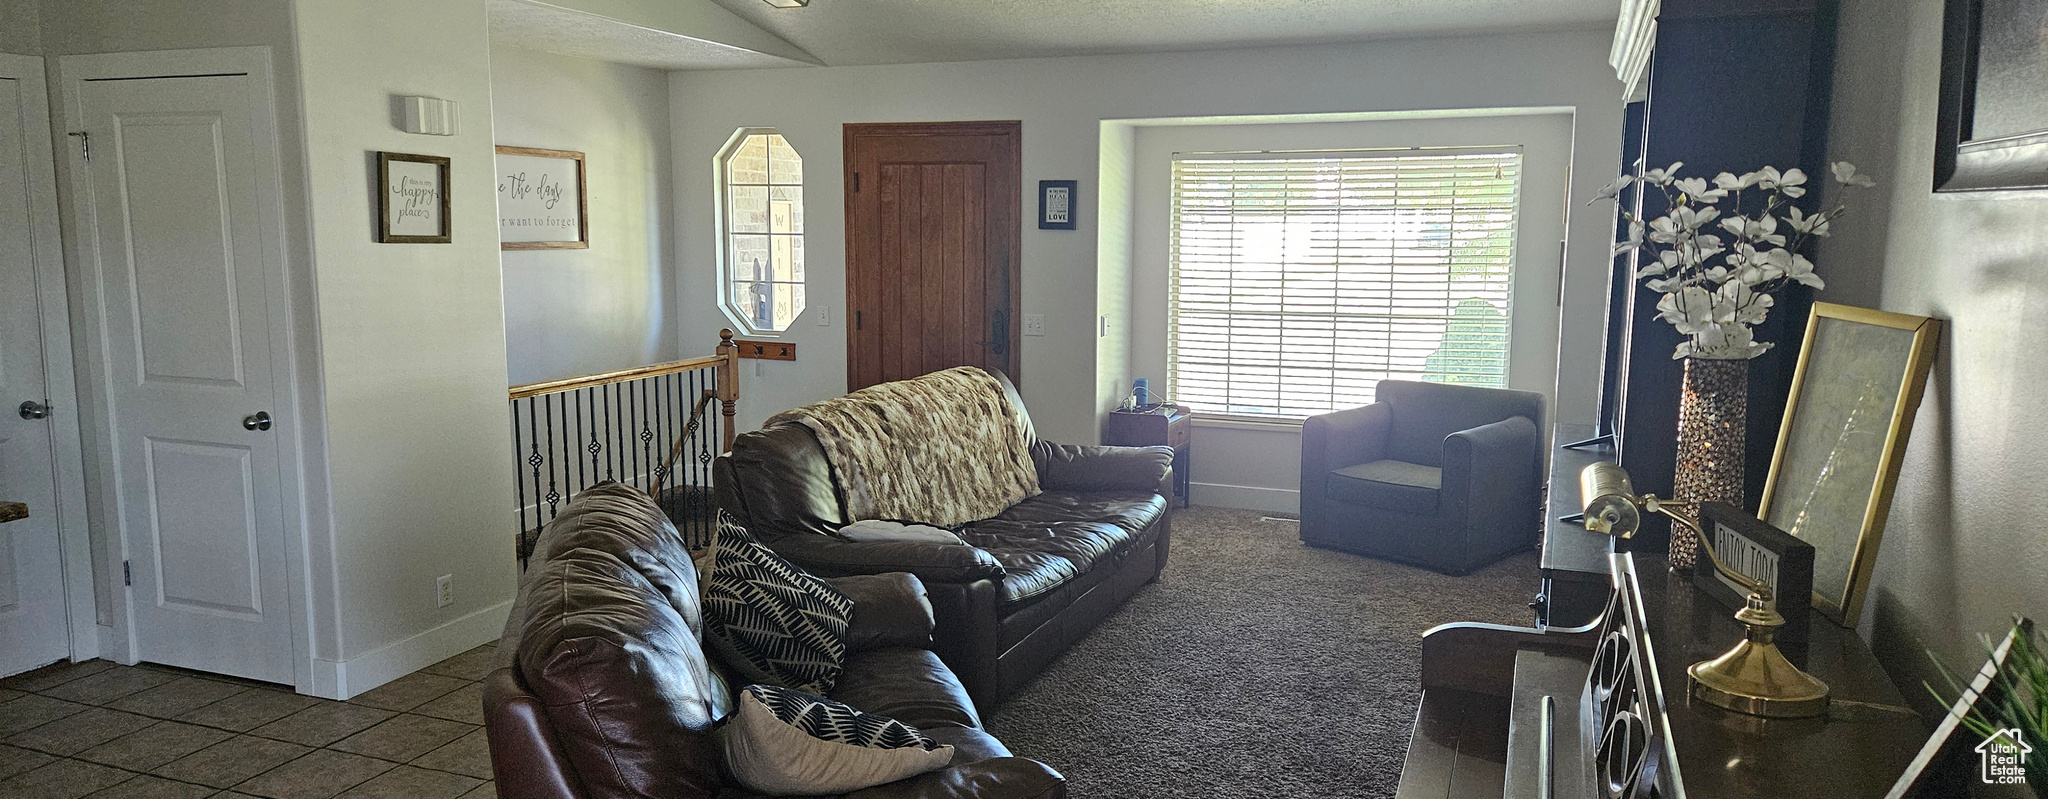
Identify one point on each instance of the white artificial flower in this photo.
(1816, 225)
(1696, 188)
(1665, 286)
(1845, 174)
(1665, 176)
(1634, 242)
(1800, 270)
(1762, 231)
(1613, 190)
(1690, 309)
(1736, 302)
(1665, 230)
(1770, 264)
(1695, 218)
(1727, 181)
(1793, 183)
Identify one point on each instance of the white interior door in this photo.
(177, 174)
(33, 620)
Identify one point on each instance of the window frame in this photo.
(1283, 420)
(722, 223)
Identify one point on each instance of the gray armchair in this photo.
(1441, 476)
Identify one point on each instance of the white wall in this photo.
(1963, 550)
(21, 31)
(1258, 465)
(1062, 103)
(411, 345)
(578, 312)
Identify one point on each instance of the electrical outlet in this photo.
(1102, 327)
(444, 589)
(1034, 324)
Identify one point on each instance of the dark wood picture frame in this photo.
(1967, 159)
(582, 241)
(384, 234)
(1046, 189)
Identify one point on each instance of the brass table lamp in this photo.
(1754, 677)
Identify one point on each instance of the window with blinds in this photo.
(1299, 281)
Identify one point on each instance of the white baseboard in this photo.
(344, 679)
(1274, 500)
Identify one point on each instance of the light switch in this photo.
(824, 316)
(1034, 324)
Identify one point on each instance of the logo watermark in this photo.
(2003, 757)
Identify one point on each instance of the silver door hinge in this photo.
(84, 143)
(127, 577)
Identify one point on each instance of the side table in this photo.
(1171, 426)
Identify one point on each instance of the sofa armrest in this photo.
(1488, 471)
(1068, 467)
(888, 610)
(831, 557)
(995, 778)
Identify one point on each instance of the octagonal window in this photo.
(761, 204)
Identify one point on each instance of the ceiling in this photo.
(570, 32)
(847, 32)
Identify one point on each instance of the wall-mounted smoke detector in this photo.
(789, 3)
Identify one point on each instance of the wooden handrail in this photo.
(620, 376)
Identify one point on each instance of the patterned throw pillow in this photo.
(769, 620)
(782, 743)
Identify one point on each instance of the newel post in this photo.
(728, 384)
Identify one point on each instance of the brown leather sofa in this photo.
(1038, 577)
(602, 688)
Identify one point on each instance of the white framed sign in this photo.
(412, 199)
(542, 203)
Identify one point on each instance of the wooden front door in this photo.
(932, 248)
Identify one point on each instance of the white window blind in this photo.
(1300, 281)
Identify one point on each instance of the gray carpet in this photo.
(1255, 667)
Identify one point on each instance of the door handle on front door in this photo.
(261, 421)
(33, 410)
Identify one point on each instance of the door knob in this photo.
(33, 410)
(261, 421)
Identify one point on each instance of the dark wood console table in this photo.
(1521, 713)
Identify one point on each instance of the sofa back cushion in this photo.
(622, 521)
(1426, 413)
(625, 684)
(775, 481)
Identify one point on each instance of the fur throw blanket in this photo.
(944, 449)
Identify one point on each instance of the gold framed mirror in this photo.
(1859, 382)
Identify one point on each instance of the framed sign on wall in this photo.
(412, 199)
(542, 200)
(1056, 204)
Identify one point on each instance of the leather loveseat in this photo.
(1036, 577)
(602, 689)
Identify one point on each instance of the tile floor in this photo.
(95, 729)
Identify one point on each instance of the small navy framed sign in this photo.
(1056, 204)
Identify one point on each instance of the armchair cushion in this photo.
(1388, 484)
(1424, 414)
